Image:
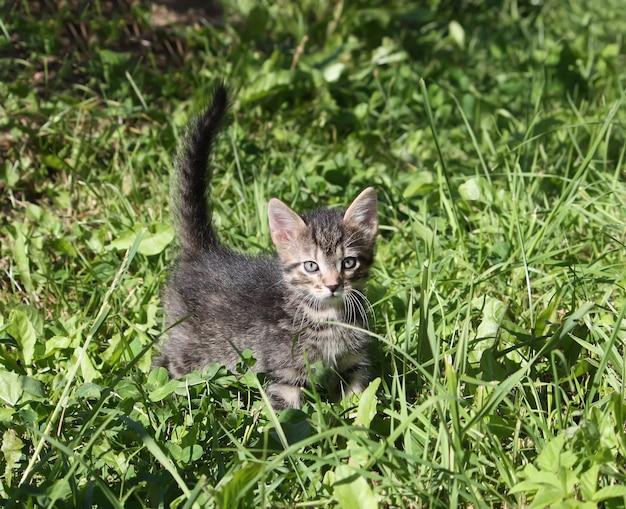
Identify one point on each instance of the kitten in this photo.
(304, 306)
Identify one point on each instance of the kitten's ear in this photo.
(284, 223)
(363, 212)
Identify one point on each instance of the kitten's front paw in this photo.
(284, 396)
(354, 381)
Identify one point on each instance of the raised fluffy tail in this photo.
(193, 175)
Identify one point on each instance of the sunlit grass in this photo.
(496, 145)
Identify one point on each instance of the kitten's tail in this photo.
(190, 199)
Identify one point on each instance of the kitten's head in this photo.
(326, 253)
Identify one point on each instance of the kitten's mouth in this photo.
(334, 300)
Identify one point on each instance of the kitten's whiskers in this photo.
(365, 301)
(358, 303)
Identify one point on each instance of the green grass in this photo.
(495, 135)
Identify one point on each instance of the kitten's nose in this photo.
(333, 287)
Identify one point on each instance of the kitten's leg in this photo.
(284, 395)
(354, 380)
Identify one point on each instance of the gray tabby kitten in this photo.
(304, 306)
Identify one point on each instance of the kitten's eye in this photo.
(349, 263)
(311, 266)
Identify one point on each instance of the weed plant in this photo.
(494, 133)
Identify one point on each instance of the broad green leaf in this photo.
(87, 369)
(265, 84)
(501, 249)
(360, 110)
(156, 239)
(589, 481)
(470, 190)
(8, 173)
(10, 391)
(53, 161)
(35, 317)
(550, 457)
(6, 412)
(457, 33)
(112, 58)
(127, 389)
(59, 489)
(23, 331)
(423, 232)
(184, 455)
(58, 343)
(491, 369)
(367, 404)
(547, 315)
(160, 385)
(158, 377)
(88, 391)
(64, 246)
(352, 489)
(164, 391)
(493, 313)
(125, 239)
(21, 259)
(610, 51)
(175, 450)
(192, 453)
(420, 183)
(546, 497)
(608, 492)
(117, 346)
(388, 53)
(526, 487)
(32, 386)
(333, 72)
(12, 451)
(295, 425)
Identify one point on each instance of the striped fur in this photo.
(301, 306)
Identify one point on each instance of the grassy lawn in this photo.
(495, 135)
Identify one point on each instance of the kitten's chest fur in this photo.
(330, 336)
